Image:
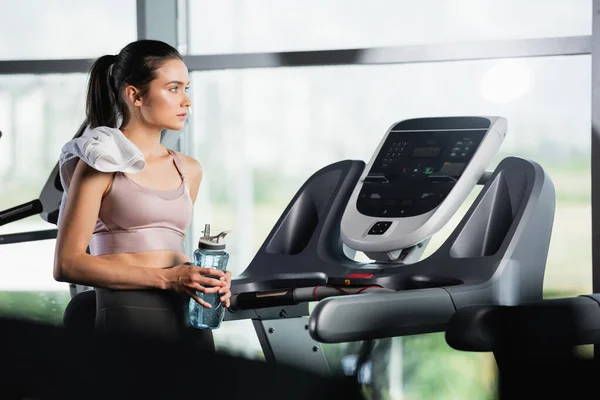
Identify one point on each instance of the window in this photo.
(261, 133)
(233, 26)
(27, 289)
(36, 29)
(38, 114)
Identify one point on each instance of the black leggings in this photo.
(150, 313)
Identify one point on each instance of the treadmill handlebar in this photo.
(551, 322)
(31, 236)
(293, 296)
(380, 315)
(22, 211)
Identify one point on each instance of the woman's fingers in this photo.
(208, 280)
(203, 289)
(225, 297)
(194, 277)
(209, 271)
(198, 300)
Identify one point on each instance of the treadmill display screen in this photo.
(426, 152)
(414, 171)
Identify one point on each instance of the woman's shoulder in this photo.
(190, 164)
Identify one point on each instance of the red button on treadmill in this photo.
(359, 276)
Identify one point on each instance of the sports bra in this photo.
(134, 218)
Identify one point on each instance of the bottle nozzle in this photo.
(213, 239)
(206, 230)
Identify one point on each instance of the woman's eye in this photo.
(173, 89)
(187, 88)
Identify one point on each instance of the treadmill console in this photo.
(421, 172)
(415, 171)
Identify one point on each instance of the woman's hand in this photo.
(188, 278)
(226, 290)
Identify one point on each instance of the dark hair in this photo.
(135, 65)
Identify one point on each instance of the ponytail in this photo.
(101, 103)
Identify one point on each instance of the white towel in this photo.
(104, 149)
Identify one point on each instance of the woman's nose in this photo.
(187, 102)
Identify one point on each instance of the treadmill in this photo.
(419, 175)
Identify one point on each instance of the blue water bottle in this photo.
(209, 254)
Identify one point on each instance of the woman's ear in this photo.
(133, 95)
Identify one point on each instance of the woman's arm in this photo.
(71, 262)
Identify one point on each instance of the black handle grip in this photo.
(28, 236)
(20, 212)
(274, 298)
(550, 322)
(290, 297)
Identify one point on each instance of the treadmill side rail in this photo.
(378, 315)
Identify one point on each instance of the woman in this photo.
(135, 224)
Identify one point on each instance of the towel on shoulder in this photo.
(104, 149)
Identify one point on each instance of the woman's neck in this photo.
(146, 139)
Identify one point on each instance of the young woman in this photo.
(135, 224)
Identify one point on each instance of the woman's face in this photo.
(166, 104)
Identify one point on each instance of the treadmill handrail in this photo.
(551, 322)
(293, 296)
(380, 315)
(31, 236)
(21, 211)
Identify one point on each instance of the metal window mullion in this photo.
(595, 143)
(575, 45)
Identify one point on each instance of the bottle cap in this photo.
(211, 242)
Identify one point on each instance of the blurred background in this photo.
(270, 109)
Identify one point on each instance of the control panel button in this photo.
(375, 178)
(452, 169)
(379, 228)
